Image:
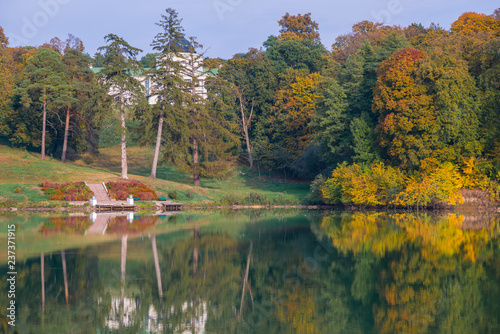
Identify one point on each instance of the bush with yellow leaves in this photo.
(438, 184)
(361, 185)
(378, 184)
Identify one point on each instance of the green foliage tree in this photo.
(200, 137)
(330, 120)
(167, 84)
(44, 84)
(118, 77)
(81, 81)
(149, 60)
(7, 80)
(296, 53)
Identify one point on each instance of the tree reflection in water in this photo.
(272, 273)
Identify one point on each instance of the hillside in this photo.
(23, 169)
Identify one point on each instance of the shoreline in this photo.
(480, 209)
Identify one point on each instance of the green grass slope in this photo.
(23, 169)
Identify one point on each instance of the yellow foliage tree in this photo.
(295, 107)
(472, 23)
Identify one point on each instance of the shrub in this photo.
(121, 190)
(255, 199)
(384, 185)
(189, 194)
(146, 196)
(17, 190)
(315, 195)
(230, 200)
(87, 159)
(74, 191)
(173, 194)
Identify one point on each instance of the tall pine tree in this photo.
(44, 85)
(119, 77)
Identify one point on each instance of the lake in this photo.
(255, 271)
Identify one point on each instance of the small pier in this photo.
(169, 206)
(115, 207)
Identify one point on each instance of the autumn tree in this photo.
(298, 27)
(349, 44)
(472, 23)
(118, 76)
(295, 108)
(407, 124)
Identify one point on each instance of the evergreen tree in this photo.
(44, 85)
(81, 81)
(118, 76)
(167, 85)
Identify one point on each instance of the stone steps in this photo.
(100, 193)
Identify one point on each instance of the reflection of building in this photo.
(129, 317)
(152, 322)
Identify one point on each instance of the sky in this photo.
(223, 27)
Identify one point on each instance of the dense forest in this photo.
(388, 115)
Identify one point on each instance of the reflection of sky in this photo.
(225, 27)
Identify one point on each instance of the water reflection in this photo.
(271, 273)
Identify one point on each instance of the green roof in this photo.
(210, 71)
(98, 69)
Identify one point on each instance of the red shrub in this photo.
(121, 190)
(146, 196)
(69, 191)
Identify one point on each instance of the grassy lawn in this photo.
(19, 168)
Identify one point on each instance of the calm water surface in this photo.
(254, 272)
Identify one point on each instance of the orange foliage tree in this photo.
(472, 23)
(407, 124)
(298, 27)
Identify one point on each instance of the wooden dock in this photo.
(117, 206)
(170, 206)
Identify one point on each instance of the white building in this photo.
(191, 67)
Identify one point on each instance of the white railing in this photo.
(106, 188)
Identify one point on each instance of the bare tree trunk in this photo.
(245, 122)
(42, 265)
(245, 280)
(157, 265)
(123, 265)
(196, 233)
(157, 147)
(65, 275)
(124, 139)
(196, 161)
(65, 142)
(44, 126)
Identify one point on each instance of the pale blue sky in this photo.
(224, 27)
